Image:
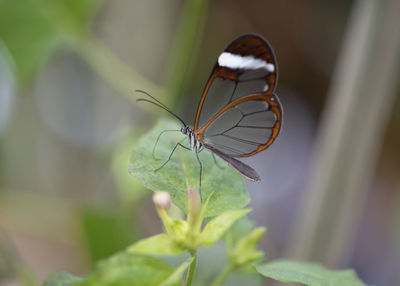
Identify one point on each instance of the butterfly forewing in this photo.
(238, 113)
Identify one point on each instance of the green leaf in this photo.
(176, 277)
(83, 10)
(126, 269)
(182, 172)
(62, 279)
(129, 190)
(160, 244)
(25, 30)
(307, 273)
(216, 228)
(32, 30)
(245, 252)
(238, 230)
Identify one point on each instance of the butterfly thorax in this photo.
(194, 142)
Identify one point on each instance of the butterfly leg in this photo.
(201, 171)
(170, 155)
(158, 138)
(216, 162)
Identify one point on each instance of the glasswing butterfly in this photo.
(239, 113)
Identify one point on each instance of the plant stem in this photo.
(192, 270)
(120, 76)
(109, 67)
(222, 276)
(185, 47)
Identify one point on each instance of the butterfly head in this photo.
(186, 130)
(194, 142)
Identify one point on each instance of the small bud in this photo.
(162, 199)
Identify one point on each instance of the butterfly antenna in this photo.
(152, 97)
(159, 104)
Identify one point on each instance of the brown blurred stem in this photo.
(358, 108)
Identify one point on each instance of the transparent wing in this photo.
(244, 127)
(239, 114)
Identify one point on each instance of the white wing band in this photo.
(233, 61)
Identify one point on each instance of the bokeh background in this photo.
(330, 189)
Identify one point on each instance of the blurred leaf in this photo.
(28, 34)
(182, 172)
(129, 190)
(62, 279)
(245, 253)
(176, 277)
(211, 263)
(33, 29)
(216, 228)
(84, 10)
(307, 273)
(160, 244)
(239, 229)
(125, 269)
(107, 231)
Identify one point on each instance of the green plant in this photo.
(207, 222)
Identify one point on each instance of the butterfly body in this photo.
(193, 140)
(196, 145)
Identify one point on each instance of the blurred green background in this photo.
(330, 189)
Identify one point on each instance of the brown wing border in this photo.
(273, 105)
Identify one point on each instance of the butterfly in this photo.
(239, 113)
